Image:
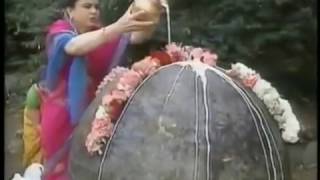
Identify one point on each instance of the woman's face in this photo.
(85, 15)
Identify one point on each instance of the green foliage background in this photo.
(276, 37)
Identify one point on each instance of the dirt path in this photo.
(13, 141)
(16, 84)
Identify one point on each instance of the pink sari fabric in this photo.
(55, 117)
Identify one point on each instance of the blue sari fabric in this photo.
(78, 75)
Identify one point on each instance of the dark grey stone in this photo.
(156, 134)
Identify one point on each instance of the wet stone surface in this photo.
(303, 156)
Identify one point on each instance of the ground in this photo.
(303, 156)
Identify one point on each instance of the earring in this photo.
(66, 15)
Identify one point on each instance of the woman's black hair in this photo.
(60, 7)
(67, 3)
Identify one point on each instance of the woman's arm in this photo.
(84, 43)
(141, 37)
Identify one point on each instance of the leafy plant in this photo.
(277, 37)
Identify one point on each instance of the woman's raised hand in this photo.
(133, 21)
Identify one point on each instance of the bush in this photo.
(25, 25)
(278, 37)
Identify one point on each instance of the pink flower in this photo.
(146, 66)
(131, 79)
(251, 80)
(119, 95)
(176, 52)
(106, 99)
(100, 129)
(115, 72)
(162, 57)
(209, 58)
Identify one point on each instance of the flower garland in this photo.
(113, 102)
(128, 79)
(278, 107)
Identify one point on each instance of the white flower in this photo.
(279, 108)
(242, 71)
(33, 172)
(290, 136)
(272, 101)
(291, 127)
(101, 113)
(261, 88)
(280, 120)
(285, 105)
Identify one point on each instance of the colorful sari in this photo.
(31, 135)
(71, 83)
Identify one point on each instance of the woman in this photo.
(80, 53)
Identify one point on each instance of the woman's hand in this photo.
(132, 21)
(86, 42)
